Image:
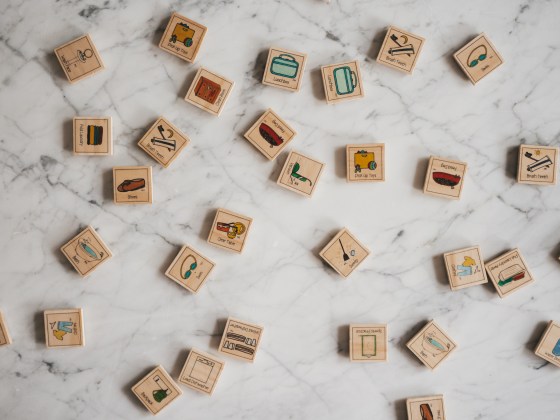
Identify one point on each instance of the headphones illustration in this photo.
(474, 62)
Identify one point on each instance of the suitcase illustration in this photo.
(208, 90)
(94, 135)
(285, 66)
(345, 80)
(183, 34)
(364, 160)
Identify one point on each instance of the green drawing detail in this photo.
(295, 174)
(369, 345)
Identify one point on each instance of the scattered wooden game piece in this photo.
(431, 345)
(157, 390)
(465, 268)
(163, 142)
(183, 37)
(64, 328)
(549, 346)
(93, 136)
(445, 177)
(478, 58)
(5, 338)
(209, 91)
(400, 50)
(344, 253)
(425, 408)
(270, 134)
(509, 272)
(190, 269)
(241, 339)
(86, 251)
(132, 184)
(79, 58)
(229, 230)
(201, 371)
(284, 69)
(342, 82)
(368, 342)
(300, 174)
(365, 162)
(537, 165)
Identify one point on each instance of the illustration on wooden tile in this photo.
(509, 272)
(79, 58)
(368, 342)
(190, 269)
(344, 253)
(229, 230)
(156, 390)
(132, 184)
(5, 338)
(549, 345)
(445, 178)
(209, 91)
(425, 408)
(400, 50)
(478, 58)
(241, 339)
(342, 82)
(300, 173)
(183, 37)
(365, 162)
(86, 251)
(201, 371)
(431, 345)
(64, 328)
(163, 142)
(284, 69)
(92, 136)
(270, 134)
(465, 268)
(538, 165)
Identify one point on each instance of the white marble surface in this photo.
(136, 318)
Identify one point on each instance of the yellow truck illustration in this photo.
(182, 33)
(364, 160)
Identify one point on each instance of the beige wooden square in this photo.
(163, 142)
(5, 338)
(368, 342)
(79, 58)
(342, 82)
(93, 136)
(157, 390)
(64, 328)
(426, 408)
(241, 340)
(478, 58)
(300, 174)
(344, 253)
(201, 371)
(229, 230)
(431, 345)
(537, 165)
(86, 251)
(284, 69)
(183, 37)
(400, 50)
(209, 91)
(549, 346)
(465, 268)
(132, 184)
(190, 269)
(445, 178)
(365, 162)
(270, 134)
(509, 272)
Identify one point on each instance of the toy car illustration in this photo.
(364, 160)
(183, 34)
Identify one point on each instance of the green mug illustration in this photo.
(345, 80)
(284, 65)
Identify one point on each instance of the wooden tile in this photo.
(163, 142)
(509, 272)
(209, 91)
(157, 390)
(478, 58)
(190, 269)
(201, 372)
(465, 268)
(400, 50)
(368, 342)
(365, 162)
(229, 230)
(431, 345)
(93, 136)
(537, 165)
(549, 346)
(270, 134)
(426, 408)
(342, 82)
(445, 178)
(344, 253)
(86, 251)
(300, 173)
(183, 37)
(64, 328)
(241, 339)
(132, 184)
(79, 58)
(284, 69)
(5, 338)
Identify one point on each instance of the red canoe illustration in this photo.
(270, 135)
(444, 178)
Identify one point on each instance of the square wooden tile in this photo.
(93, 136)
(549, 346)
(86, 251)
(344, 253)
(201, 371)
(445, 178)
(229, 230)
(300, 174)
(157, 390)
(79, 58)
(368, 342)
(5, 338)
(400, 50)
(284, 69)
(478, 58)
(183, 37)
(465, 268)
(64, 328)
(270, 134)
(537, 165)
(132, 184)
(426, 408)
(163, 142)
(190, 269)
(209, 91)
(365, 162)
(431, 345)
(342, 82)
(509, 272)
(241, 339)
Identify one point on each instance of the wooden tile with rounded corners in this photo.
(368, 342)
(190, 269)
(132, 184)
(445, 177)
(365, 162)
(270, 134)
(509, 272)
(86, 251)
(431, 345)
(344, 253)
(229, 230)
(79, 58)
(478, 58)
(201, 371)
(342, 82)
(426, 408)
(241, 340)
(400, 50)
(549, 345)
(209, 91)
(183, 37)
(300, 173)
(163, 142)
(538, 165)
(93, 136)
(465, 268)
(284, 69)
(64, 328)
(5, 338)
(156, 390)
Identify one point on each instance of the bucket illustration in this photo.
(345, 80)
(284, 65)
